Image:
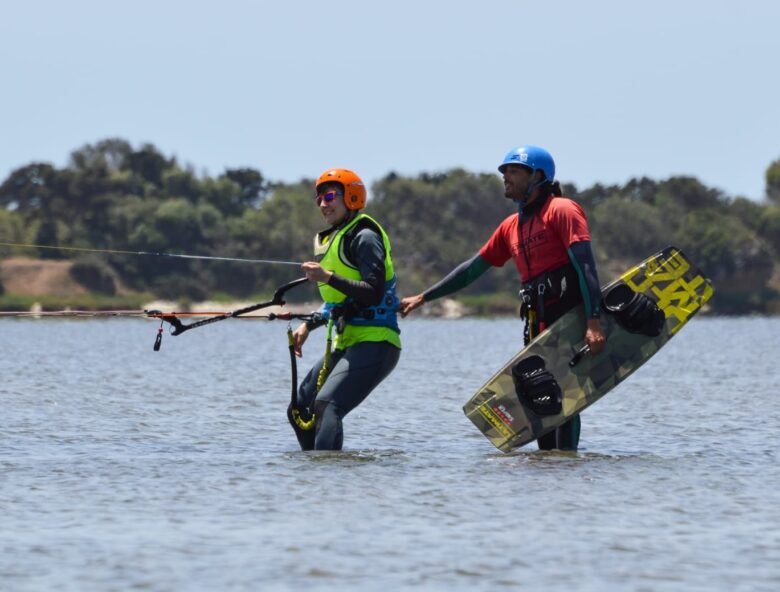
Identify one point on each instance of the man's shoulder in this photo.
(508, 222)
(562, 205)
(561, 201)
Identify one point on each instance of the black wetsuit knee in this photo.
(328, 430)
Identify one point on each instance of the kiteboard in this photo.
(554, 377)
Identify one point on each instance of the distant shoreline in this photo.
(37, 285)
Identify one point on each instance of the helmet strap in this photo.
(526, 209)
(533, 186)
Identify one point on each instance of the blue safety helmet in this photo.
(533, 157)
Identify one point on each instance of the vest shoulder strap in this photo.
(351, 234)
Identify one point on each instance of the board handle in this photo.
(585, 349)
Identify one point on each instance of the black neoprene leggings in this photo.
(355, 372)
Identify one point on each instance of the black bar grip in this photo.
(585, 349)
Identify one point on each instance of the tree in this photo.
(225, 195)
(253, 187)
(30, 189)
(182, 183)
(92, 272)
(627, 230)
(108, 155)
(48, 234)
(773, 182)
(11, 231)
(690, 193)
(148, 164)
(738, 262)
(770, 228)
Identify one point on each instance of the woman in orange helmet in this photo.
(357, 282)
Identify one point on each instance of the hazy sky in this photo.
(613, 88)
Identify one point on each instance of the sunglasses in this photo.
(328, 196)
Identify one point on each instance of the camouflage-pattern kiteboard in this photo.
(551, 379)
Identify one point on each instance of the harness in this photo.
(378, 315)
(546, 298)
(550, 294)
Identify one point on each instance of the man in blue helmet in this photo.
(549, 241)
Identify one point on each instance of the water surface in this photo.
(122, 468)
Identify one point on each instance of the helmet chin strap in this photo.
(533, 186)
(524, 207)
(523, 201)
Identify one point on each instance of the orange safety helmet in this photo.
(354, 190)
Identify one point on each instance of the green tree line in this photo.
(112, 195)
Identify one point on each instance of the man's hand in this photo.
(594, 336)
(411, 303)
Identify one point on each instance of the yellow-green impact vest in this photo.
(375, 323)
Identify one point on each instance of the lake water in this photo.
(122, 468)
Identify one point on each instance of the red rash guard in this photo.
(547, 235)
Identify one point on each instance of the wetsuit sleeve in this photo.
(368, 251)
(316, 321)
(581, 256)
(458, 278)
